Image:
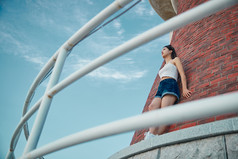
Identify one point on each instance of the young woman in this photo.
(168, 91)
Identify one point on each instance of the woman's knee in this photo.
(154, 106)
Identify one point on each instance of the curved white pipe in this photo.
(69, 44)
(199, 109)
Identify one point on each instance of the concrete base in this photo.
(213, 140)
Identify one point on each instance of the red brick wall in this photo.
(208, 50)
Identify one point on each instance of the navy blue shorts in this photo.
(168, 86)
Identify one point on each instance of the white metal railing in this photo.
(182, 112)
(186, 111)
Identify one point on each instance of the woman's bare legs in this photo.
(155, 104)
(167, 100)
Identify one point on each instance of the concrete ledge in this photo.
(217, 128)
(166, 9)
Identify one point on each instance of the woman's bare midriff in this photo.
(163, 78)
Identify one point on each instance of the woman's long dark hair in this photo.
(170, 47)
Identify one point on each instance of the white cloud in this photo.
(106, 72)
(101, 43)
(109, 73)
(144, 9)
(140, 10)
(129, 60)
(36, 60)
(118, 26)
(65, 17)
(7, 39)
(22, 49)
(89, 2)
(120, 32)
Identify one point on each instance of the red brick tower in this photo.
(208, 50)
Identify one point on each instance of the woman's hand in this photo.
(187, 93)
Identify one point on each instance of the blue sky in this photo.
(30, 33)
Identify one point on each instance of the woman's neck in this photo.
(167, 59)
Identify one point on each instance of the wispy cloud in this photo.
(142, 9)
(107, 72)
(65, 17)
(103, 41)
(36, 60)
(89, 2)
(21, 49)
(118, 26)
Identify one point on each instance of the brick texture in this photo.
(208, 50)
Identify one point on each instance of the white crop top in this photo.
(169, 70)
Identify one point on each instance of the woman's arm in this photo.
(186, 93)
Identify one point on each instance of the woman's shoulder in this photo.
(176, 59)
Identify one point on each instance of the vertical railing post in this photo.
(45, 104)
